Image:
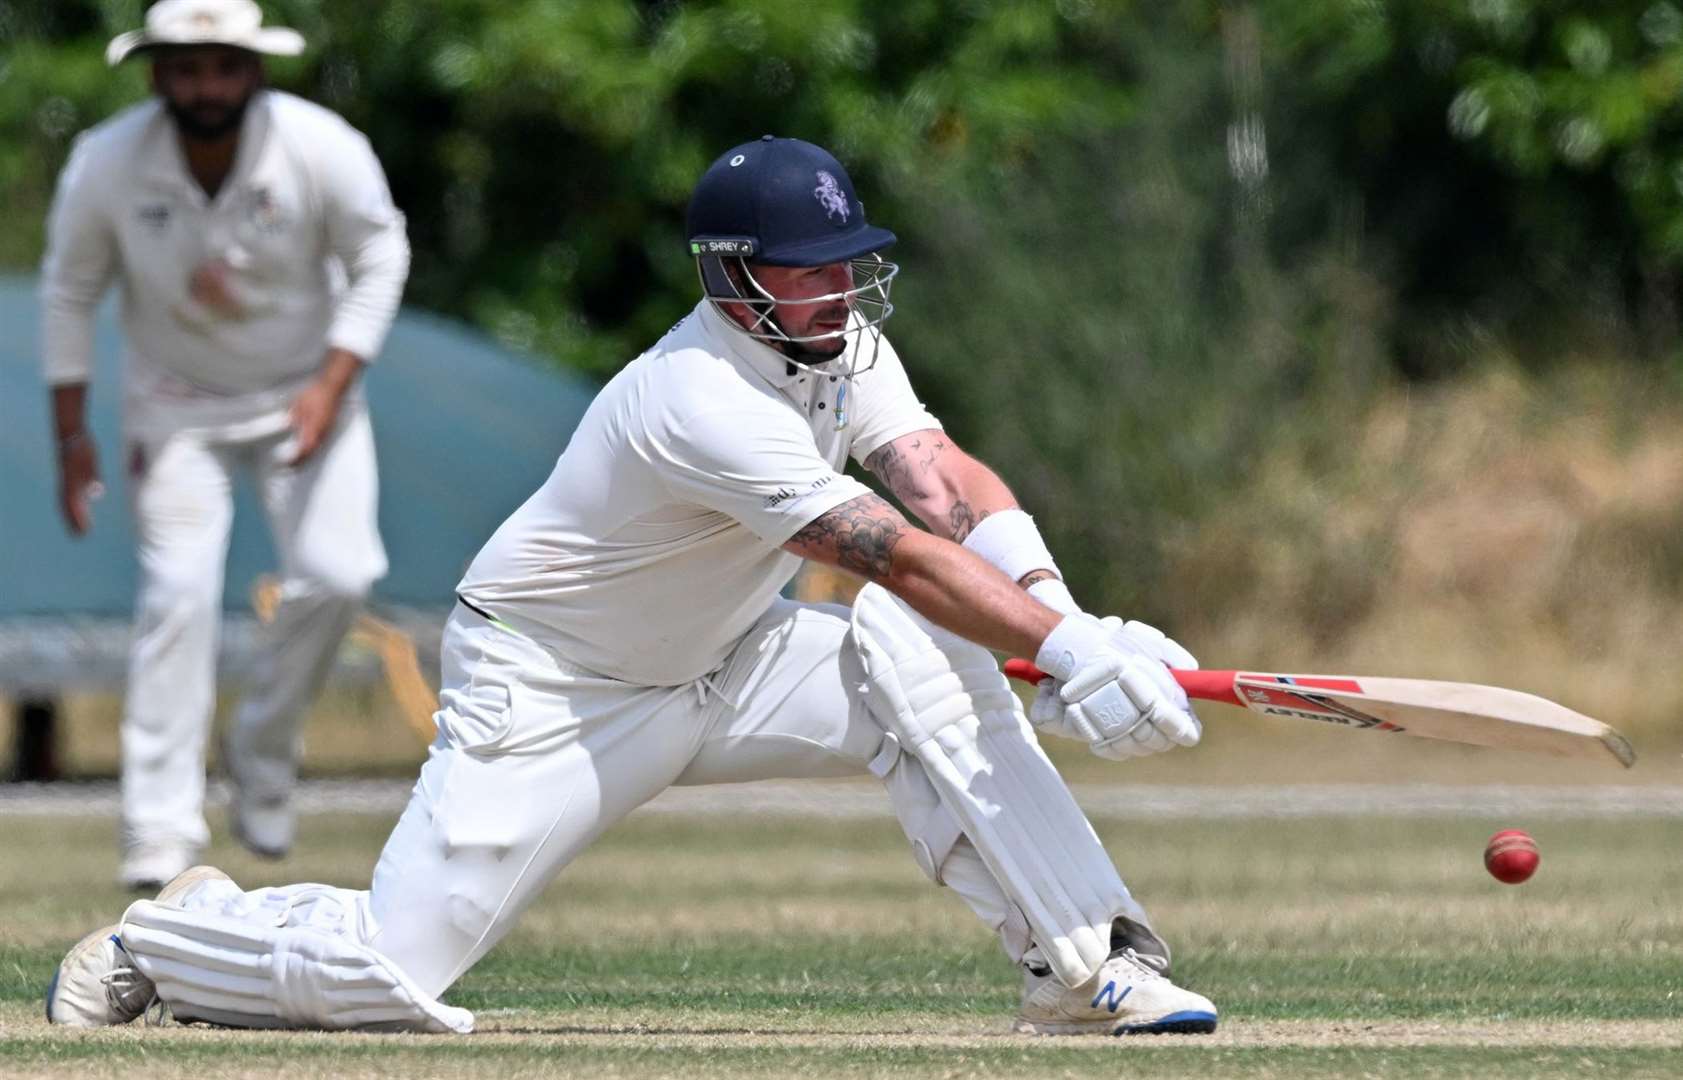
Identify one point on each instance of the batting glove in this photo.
(1109, 686)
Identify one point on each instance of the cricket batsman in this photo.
(261, 262)
(624, 631)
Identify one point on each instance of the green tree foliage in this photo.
(1595, 89)
(53, 83)
(544, 150)
(1141, 241)
(1510, 158)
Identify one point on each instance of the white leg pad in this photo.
(939, 845)
(946, 702)
(224, 969)
(927, 822)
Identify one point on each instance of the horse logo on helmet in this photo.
(831, 197)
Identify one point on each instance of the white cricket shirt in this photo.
(305, 221)
(657, 540)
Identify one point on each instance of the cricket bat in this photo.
(1424, 708)
(401, 666)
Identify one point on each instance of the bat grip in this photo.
(1203, 685)
(1018, 668)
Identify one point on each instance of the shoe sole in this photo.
(52, 991)
(1188, 1022)
(1191, 1022)
(181, 884)
(151, 883)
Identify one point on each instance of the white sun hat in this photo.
(206, 22)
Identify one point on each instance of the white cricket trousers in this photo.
(535, 759)
(322, 517)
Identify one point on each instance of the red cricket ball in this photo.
(1511, 856)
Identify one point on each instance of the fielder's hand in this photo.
(1111, 688)
(312, 415)
(316, 408)
(78, 481)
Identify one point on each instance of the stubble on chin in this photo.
(815, 353)
(189, 123)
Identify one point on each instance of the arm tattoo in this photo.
(905, 467)
(936, 445)
(902, 475)
(962, 519)
(891, 467)
(862, 532)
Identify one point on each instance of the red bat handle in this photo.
(1203, 685)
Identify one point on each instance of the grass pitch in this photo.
(718, 947)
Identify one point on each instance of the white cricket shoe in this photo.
(147, 866)
(264, 827)
(97, 984)
(1128, 996)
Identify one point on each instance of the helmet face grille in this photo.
(867, 300)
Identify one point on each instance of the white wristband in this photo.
(1054, 594)
(1009, 540)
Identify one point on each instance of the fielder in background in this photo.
(623, 632)
(261, 262)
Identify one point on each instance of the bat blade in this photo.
(401, 666)
(1454, 712)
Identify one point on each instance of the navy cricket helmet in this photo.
(782, 202)
(785, 202)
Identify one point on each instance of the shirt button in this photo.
(821, 405)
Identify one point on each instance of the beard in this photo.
(813, 353)
(207, 122)
(810, 353)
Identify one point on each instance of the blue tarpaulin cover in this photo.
(465, 430)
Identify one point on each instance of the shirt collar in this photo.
(162, 163)
(767, 362)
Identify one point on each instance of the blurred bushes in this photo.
(1508, 160)
(1148, 248)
